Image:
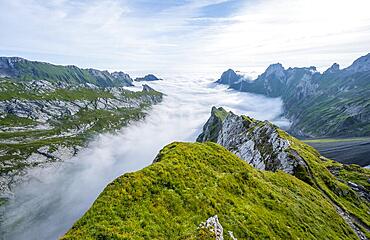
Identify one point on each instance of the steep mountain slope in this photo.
(188, 183)
(267, 147)
(202, 191)
(48, 120)
(335, 103)
(22, 69)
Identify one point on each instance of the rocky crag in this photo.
(256, 142)
(332, 103)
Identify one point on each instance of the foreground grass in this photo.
(191, 182)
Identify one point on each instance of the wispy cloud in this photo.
(185, 35)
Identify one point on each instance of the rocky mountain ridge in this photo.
(257, 143)
(334, 103)
(23, 69)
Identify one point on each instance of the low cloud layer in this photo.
(47, 207)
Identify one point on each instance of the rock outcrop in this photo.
(215, 229)
(256, 142)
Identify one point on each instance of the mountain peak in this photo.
(334, 68)
(248, 139)
(361, 64)
(276, 69)
(149, 77)
(229, 77)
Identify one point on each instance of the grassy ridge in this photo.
(191, 182)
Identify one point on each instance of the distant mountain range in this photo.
(22, 69)
(333, 103)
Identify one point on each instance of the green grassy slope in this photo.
(192, 181)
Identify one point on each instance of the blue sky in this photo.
(186, 35)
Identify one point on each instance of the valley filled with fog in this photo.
(46, 207)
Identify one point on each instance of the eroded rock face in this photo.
(256, 142)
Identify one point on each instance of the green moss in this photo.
(191, 182)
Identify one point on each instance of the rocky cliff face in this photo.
(330, 104)
(256, 142)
